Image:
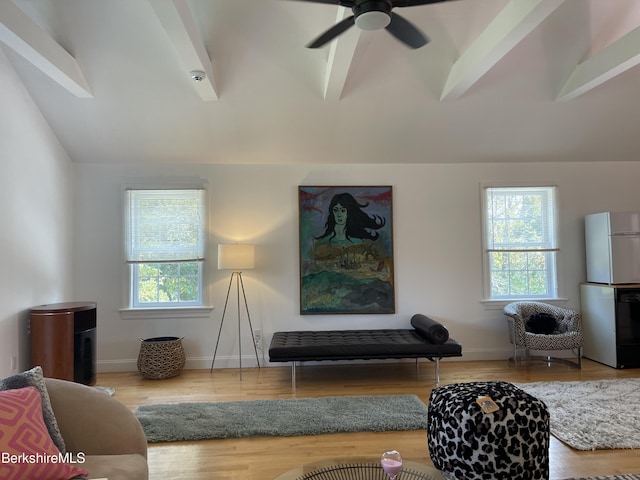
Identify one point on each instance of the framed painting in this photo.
(346, 249)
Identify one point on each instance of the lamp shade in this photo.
(236, 257)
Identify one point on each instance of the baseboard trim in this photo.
(201, 363)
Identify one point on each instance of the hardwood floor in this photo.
(266, 458)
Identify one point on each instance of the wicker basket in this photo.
(161, 357)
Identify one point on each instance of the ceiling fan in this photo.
(375, 15)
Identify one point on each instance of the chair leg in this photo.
(515, 359)
(549, 360)
(580, 357)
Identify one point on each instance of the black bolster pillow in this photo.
(433, 331)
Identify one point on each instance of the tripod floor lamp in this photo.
(237, 258)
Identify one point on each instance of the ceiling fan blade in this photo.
(338, 29)
(342, 3)
(406, 32)
(414, 3)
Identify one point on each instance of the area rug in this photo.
(591, 415)
(283, 417)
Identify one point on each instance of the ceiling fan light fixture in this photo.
(373, 20)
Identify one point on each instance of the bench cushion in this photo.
(357, 344)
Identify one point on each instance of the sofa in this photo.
(103, 429)
(54, 429)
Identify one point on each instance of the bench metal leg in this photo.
(435, 360)
(293, 376)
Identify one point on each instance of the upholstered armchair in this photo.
(566, 334)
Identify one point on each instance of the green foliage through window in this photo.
(167, 282)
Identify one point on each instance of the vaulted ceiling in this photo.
(500, 81)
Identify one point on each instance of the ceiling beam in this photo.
(19, 32)
(516, 20)
(177, 20)
(615, 59)
(341, 53)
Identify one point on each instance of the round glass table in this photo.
(350, 468)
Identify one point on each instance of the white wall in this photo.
(61, 240)
(437, 247)
(35, 218)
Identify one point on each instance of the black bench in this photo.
(427, 339)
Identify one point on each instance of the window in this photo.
(520, 243)
(165, 232)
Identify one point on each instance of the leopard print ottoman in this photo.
(467, 444)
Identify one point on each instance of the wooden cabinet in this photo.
(63, 340)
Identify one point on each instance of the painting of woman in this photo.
(348, 222)
(346, 250)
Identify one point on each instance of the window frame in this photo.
(552, 252)
(146, 310)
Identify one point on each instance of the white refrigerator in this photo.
(612, 241)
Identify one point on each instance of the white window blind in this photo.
(520, 219)
(165, 226)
